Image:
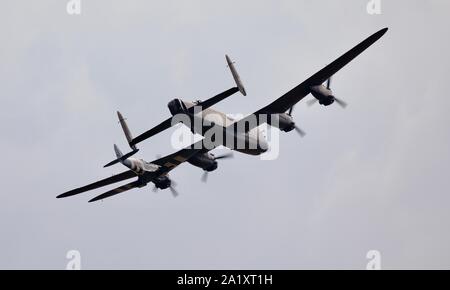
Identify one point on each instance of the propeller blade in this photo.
(205, 176)
(291, 109)
(329, 83)
(300, 131)
(174, 191)
(311, 102)
(340, 103)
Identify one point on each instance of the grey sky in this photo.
(373, 176)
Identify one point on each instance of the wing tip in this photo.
(97, 198)
(381, 32)
(66, 194)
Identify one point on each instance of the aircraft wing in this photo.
(295, 95)
(171, 161)
(104, 182)
(115, 191)
(167, 164)
(168, 123)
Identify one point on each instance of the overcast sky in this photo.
(372, 177)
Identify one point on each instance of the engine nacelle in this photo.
(323, 95)
(205, 161)
(286, 122)
(177, 106)
(162, 182)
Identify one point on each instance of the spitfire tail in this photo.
(120, 156)
(118, 152)
(126, 130)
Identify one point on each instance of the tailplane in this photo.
(120, 156)
(119, 153)
(126, 130)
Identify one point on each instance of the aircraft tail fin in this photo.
(126, 130)
(120, 156)
(119, 153)
(235, 74)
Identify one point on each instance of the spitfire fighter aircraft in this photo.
(155, 172)
(246, 130)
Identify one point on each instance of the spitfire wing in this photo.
(104, 182)
(115, 191)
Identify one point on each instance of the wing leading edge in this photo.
(166, 124)
(118, 190)
(104, 182)
(295, 95)
(167, 164)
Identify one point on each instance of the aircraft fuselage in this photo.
(252, 143)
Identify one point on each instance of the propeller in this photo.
(171, 187)
(338, 101)
(297, 129)
(300, 131)
(311, 102)
(205, 174)
(291, 109)
(174, 191)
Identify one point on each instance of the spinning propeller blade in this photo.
(297, 129)
(300, 131)
(311, 102)
(174, 191)
(205, 176)
(340, 103)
